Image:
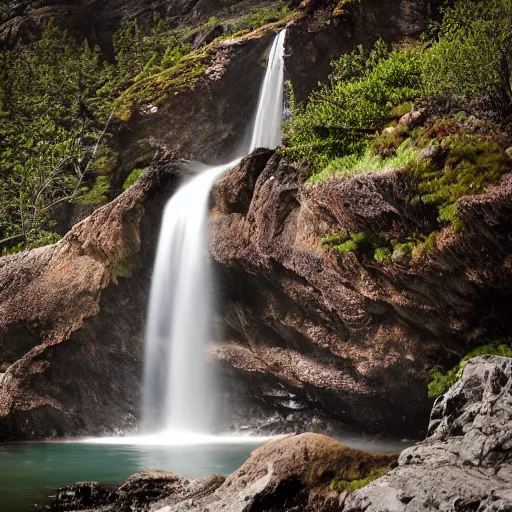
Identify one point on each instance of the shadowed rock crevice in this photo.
(378, 328)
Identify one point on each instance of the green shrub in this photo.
(354, 242)
(348, 246)
(359, 99)
(351, 165)
(469, 59)
(334, 239)
(472, 164)
(382, 255)
(440, 383)
(132, 178)
(429, 245)
(449, 214)
(96, 195)
(352, 485)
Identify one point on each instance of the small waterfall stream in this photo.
(177, 383)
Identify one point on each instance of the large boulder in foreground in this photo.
(465, 464)
(290, 474)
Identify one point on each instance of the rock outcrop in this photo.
(465, 464)
(289, 474)
(72, 320)
(306, 330)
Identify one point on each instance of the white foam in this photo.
(181, 438)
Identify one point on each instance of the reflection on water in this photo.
(29, 472)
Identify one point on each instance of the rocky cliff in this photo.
(72, 319)
(340, 335)
(308, 337)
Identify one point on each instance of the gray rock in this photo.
(465, 464)
(508, 151)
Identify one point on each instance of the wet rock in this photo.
(466, 461)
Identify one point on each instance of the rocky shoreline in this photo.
(464, 464)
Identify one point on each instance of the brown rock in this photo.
(71, 327)
(307, 332)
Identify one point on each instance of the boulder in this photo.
(465, 464)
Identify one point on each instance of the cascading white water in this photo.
(177, 384)
(267, 126)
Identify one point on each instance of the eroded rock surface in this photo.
(308, 331)
(72, 318)
(465, 464)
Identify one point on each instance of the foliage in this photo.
(353, 164)
(469, 60)
(57, 99)
(473, 53)
(449, 214)
(382, 255)
(132, 178)
(96, 195)
(334, 239)
(440, 383)
(351, 242)
(47, 136)
(262, 17)
(359, 98)
(429, 245)
(473, 162)
(155, 88)
(352, 485)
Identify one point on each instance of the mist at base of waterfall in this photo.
(181, 438)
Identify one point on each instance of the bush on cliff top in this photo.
(469, 61)
(340, 116)
(440, 383)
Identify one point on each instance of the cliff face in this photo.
(341, 335)
(302, 332)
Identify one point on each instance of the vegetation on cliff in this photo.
(441, 382)
(464, 65)
(62, 103)
(436, 110)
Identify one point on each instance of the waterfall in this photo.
(177, 383)
(267, 126)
